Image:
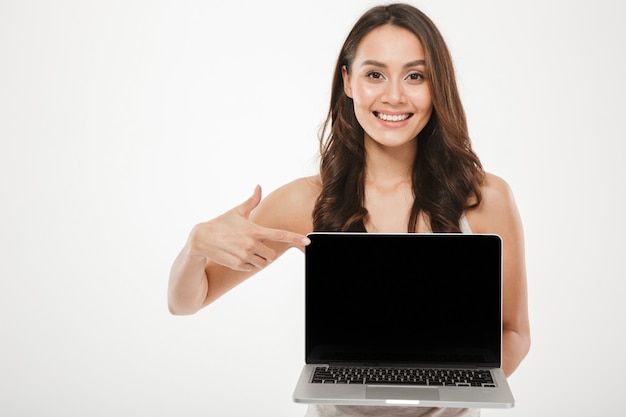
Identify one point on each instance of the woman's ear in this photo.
(347, 88)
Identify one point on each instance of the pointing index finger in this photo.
(285, 236)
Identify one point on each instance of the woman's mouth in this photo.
(392, 117)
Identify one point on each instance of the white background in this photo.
(124, 123)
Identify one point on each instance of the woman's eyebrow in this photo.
(375, 63)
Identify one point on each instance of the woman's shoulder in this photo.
(304, 186)
(495, 189)
(497, 208)
(290, 206)
(299, 192)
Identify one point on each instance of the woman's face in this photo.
(392, 99)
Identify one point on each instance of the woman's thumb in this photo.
(252, 202)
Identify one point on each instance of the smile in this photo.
(392, 117)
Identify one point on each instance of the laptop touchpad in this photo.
(402, 393)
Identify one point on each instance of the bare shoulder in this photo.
(497, 211)
(302, 189)
(290, 207)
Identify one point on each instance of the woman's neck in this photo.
(388, 187)
(386, 165)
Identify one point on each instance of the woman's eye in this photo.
(375, 75)
(416, 76)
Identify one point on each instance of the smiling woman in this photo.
(395, 62)
(394, 100)
(395, 157)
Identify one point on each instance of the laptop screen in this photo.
(417, 299)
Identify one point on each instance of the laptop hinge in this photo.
(409, 365)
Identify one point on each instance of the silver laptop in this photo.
(403, 319)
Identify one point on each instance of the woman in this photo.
(395, 157)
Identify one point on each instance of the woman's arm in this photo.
(498, 214)
(223, 252)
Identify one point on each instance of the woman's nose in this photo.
(394, 92)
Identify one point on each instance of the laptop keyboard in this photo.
(403, 376)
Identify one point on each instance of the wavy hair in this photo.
(446, 175)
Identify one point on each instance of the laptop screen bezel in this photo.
(329, 252)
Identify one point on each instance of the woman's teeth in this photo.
(392, 118)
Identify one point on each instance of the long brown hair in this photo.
(446, 174)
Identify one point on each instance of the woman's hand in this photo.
(232, 240)
(223, 252)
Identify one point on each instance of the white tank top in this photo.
(326, 410)
(464, 225)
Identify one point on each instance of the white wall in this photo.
(124, 123)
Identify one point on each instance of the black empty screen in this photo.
(403, 298)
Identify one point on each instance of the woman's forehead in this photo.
(390, 44)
